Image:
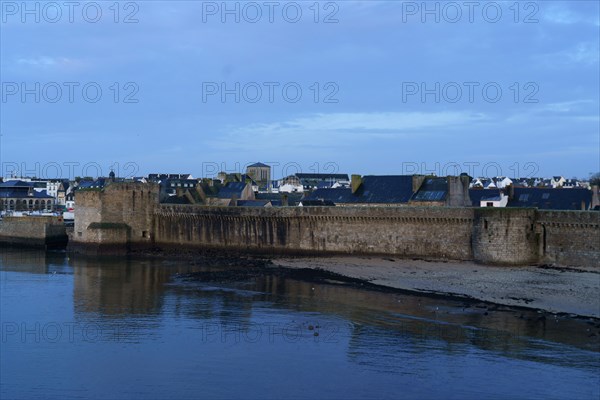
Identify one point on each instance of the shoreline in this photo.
(561, 290)
(572, 291)
(566, 290)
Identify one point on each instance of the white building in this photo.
(494, 201)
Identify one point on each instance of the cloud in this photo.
(367, 122)
(565, 113)
(586, 53)
(46, 62)
(583, 53)
(559, 14)
(341, 129)
(565, 106)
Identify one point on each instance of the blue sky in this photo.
(388, 87)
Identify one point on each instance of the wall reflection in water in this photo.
(136, 295)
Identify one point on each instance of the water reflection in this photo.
(125, 288)
(143, 301)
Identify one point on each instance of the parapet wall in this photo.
(505, 236)
(569, 237)
(33, 231)
(400, 231)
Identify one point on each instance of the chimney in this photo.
(595, 197)
(511, 191)
(356, 182)
(466, 182)
(417, 181)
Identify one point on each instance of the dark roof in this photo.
(20, 194)
(386, 188)
(432, 189)
(176, 200)
(253, 203)
(232, 189)
(551, 199)
(477, 195)
(160, 177)
(167, 182)
(383, 189)
(268, 196)
(324, 184)
(258, 165)
(337, 196)
(98, 183)
(278, 196)
(313, 203)
(323, 177)
(14, 184)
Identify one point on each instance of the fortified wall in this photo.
(406, 231)
(128, 216)
(569, 237)
(115, 219)
(33, 231)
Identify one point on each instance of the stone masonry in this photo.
(128, 216)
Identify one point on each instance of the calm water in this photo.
(81, 328)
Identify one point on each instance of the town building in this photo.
(261, 174)
(17, 195)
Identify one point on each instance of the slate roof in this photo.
(161, 177)
(98, 183)
(317, 203)
(382, 189)
(16, 184)
(277, 198)
(477, 195)
(432, 189)
(167, 182)
(253, 203)
(259, 165)
(232, 189)
(337, 196)
(21, 194)
(323, 177)
(551, 199)
(324, 184)
(176, 200)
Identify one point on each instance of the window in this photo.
(524, 197)
(489, 204)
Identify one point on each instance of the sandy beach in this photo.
(559, 290)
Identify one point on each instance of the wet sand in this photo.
(558, 290)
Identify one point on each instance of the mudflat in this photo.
(571, 290)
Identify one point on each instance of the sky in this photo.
(358, 87)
